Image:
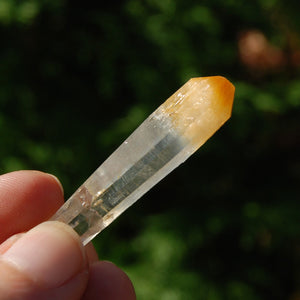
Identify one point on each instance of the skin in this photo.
(46, 260)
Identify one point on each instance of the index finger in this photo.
(27, 198)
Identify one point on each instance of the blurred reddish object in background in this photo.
(258, 54)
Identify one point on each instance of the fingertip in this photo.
(49, 261)
(91, 253)
(50, 254)
(27, 198)
(108, 282)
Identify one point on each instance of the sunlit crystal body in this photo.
(162, 142)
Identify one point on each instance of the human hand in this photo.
(48, 261)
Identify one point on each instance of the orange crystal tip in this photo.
(200, 107)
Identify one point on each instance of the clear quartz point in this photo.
(162, 142)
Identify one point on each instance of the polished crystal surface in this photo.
(163, 141)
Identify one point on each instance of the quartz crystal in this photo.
(163, 141)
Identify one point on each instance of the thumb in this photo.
(48, 262)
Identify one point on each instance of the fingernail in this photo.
(9, 242)
(57, 180)
(50, 254)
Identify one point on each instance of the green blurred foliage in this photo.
(76, 78)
